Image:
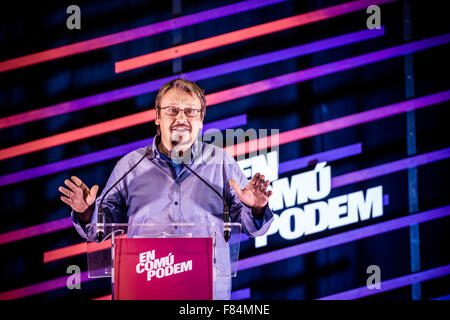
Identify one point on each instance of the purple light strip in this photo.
(210, 72)
(330, 155)
(342, 238)
(241, 294)
(133, 34)
(36, 230)
(446, 297)
(391, 284)
(106, 154)
(41, 287)
(387, 168)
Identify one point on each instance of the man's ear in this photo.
(203, 118)
(157, 119)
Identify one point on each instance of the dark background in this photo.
(40, 25)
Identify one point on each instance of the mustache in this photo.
(180, 125)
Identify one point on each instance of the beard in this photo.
(180, 139)
(180, 133)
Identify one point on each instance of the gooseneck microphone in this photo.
(100, 213)
(226, 210)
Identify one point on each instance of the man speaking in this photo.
(160, 189)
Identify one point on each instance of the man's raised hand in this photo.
(255, 194)
(79, 197)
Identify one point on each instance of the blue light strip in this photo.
(413, 196)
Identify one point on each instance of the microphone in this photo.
(226, 210)
(100, 213)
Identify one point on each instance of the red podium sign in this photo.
(163, 269)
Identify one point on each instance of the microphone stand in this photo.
(100, 213)
(226, 210)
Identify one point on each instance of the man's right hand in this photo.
(80, 198)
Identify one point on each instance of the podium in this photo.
(164, 261)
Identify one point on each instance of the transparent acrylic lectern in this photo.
(224, 255)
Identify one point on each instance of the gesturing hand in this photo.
(79, 197)
(255, 194)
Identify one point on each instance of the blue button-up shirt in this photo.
(154, 193)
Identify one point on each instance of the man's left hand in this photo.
(255, 195)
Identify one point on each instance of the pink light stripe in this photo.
(107, 297)
(132, 34)
(339, 123)
(40, 287)
(205, 73)
(342, 238)
(391, 284)
(391, 167)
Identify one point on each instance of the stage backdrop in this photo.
(358, 91)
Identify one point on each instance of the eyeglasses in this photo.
(189, 112)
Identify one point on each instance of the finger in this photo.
(268, 193)
(261, 179)
(94, 191)
(77, 181)
(259, 183)
(265, 185)
(236, 187)
(80, 184)
(66, 192)
(66, 200)
(255, 178)
(70, 184)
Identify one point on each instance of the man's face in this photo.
(180, 128)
